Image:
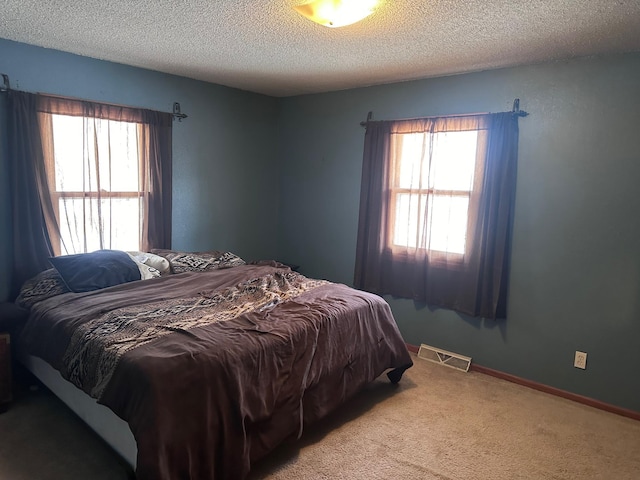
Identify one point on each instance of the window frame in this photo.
(56, 195)
(394, 190)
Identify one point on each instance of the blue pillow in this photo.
(85, 272)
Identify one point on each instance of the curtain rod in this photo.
(515, 110)
(6, 87)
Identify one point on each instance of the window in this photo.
(97, 198)
(436, 205)
(431, 185)
(105, 175)
(70, 182)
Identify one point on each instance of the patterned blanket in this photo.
(95, 348)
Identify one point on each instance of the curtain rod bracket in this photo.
(5, 87)
(177, 113)
(369, 118)
(516, 109)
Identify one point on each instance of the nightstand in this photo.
(11, 317)
(5, 370)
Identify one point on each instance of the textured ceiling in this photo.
(265, 46)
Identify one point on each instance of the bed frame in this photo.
(101, 419)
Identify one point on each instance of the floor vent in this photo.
(448, 359)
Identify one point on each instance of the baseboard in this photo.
(625, 412)
(412, 348)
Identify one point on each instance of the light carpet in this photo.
(437, 424)
(442, 424)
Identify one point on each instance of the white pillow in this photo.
(146, 272)
(157, 262)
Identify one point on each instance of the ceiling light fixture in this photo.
(337, 13)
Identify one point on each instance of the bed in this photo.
(201, 371)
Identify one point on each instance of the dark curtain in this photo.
(31, 244)
(474, 283)
(156, 145)
(31, 159)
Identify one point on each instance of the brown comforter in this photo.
(212, 370)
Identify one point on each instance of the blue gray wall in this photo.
(224, 183)
(280, 178)
(575, 277)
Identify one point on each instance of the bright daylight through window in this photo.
(431, 189)
(97, 198)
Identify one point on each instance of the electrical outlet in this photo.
(580, 360)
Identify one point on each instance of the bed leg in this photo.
(395, 375)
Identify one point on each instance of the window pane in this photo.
(413, 145)
(409, 221)
(452, 165)
(120, 225)
(125, 230)
(448, 223)
(76, 156)
(445, 217)
(118, 152)
(67, 140)
(453, 161)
